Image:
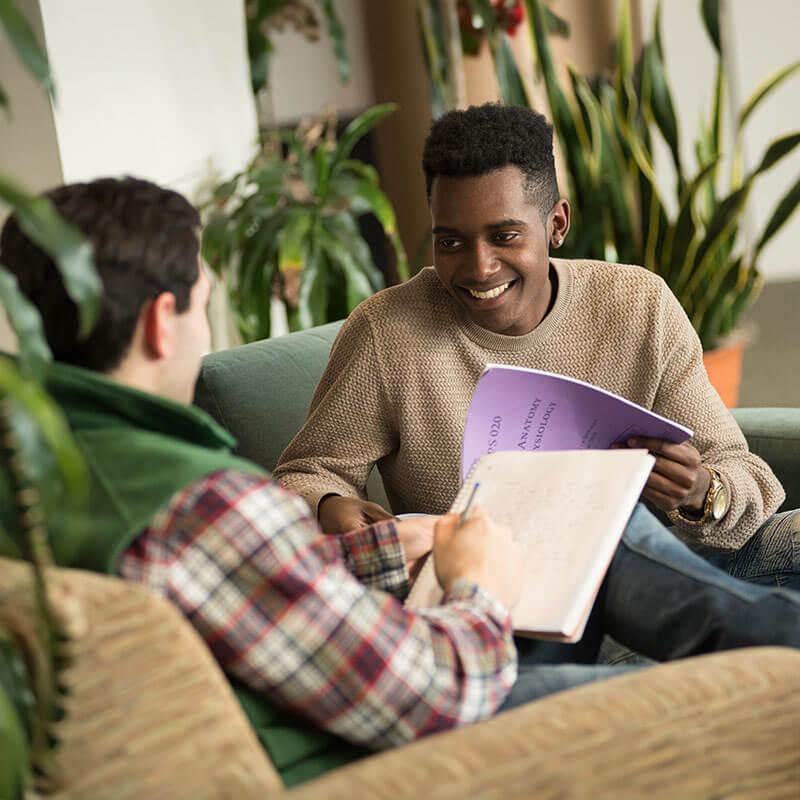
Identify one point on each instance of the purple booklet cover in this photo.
(514, 408)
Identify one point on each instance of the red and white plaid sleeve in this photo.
(278, 604)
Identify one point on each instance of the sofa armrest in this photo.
(774, 434)
(722, 725)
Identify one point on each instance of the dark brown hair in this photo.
(145, 241)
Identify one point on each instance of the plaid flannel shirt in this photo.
(316, 622)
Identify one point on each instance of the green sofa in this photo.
(261, 392)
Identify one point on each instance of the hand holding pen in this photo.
(470, 546)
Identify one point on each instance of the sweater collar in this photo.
(92, 401)
(500, 342)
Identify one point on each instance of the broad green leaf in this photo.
(357, 129)
(358, 286)
(71, 253)
(779, 149)
(710, 13)
(786, 206)
(338, 39)
(764, 89)
(657, 38)
(375, 200)
(312, 308)
(624, 62)
(343, 230)
(34, 354)
(292, 240)
(24, 42)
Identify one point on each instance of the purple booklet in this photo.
(514, 408)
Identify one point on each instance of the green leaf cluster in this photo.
(606, 127)
(261, 15)
(41, 469)
(287, 226)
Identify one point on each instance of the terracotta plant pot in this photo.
(724, 368)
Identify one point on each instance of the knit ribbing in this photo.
(402, 370)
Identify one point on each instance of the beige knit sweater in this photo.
(402, 370)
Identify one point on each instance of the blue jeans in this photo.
(664, 601)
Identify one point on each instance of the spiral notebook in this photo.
(568, 509)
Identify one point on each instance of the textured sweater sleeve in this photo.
(686, 395)
(350, 422)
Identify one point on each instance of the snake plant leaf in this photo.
(71, 253)
(23, 40)
(4, 102)
(338, 39)
(556, 26)
(710, 14)
(509, 81)
(779, 149)
(764, 89)
(434, 52)
(657, 103)
(34, 354)
(682, 232)
(624, 61)
(357, 129)
(723, 221)
(786, 206)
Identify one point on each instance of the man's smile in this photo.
(490, 296)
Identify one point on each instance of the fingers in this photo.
(683, 453)
(374, 512)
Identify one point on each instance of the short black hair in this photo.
(488, 137)
(145, 241)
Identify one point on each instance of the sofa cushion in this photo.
(261, 391)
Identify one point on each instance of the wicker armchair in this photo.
(150, 715)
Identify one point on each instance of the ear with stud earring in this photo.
(557, 241)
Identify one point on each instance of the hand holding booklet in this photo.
(535, 443)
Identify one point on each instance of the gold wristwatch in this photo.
(717, 503)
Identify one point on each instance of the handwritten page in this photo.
(568, 510)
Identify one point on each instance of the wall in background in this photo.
(303, 74)
(158, 90)
(763, 40)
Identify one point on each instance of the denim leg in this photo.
(771, 556)
(538, 680)
(666, 602)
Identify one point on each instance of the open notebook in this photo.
(568, 509)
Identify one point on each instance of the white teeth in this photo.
(496, 292)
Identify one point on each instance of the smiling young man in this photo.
(408, 358)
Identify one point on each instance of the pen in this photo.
(465, 512)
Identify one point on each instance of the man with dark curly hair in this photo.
(409, 357)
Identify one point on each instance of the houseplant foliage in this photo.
(264, 17)
(606, 126)
(287, 226)
(40, 466)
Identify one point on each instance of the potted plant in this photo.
(40, 467)
(605, 127)
(286, 226)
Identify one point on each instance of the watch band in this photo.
(714, 488)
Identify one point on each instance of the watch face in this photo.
(720, 505)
